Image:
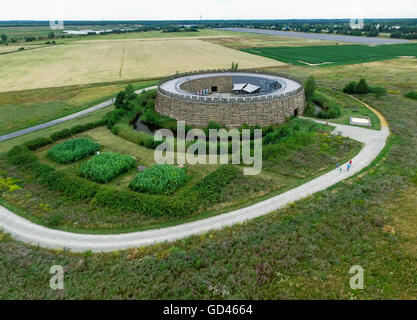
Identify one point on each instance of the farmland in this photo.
(335, 55)
(104, 61)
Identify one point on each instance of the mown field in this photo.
(103, 61)
(335, 55)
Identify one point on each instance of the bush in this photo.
(20, 156)
(159, 179)
(37, 143)
(330, 108)
(378, 92)
(106, 166)
(73, 187)
(361, 87)
(209, 188)
(350, 87)
(66, 133)
(309, 88)
(153, 205)
(73, 150)
(412, 95)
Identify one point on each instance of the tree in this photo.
(130, 92)
(362, 87)
(309, 88)
(350, 87)
(3, 37)
(51, 35)
(234, 66)
(120, 100)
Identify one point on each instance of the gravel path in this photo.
(60, 120)
(24, 230)
(319, 36)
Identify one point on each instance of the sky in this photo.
(207, 9)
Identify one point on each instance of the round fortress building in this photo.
(230, 98)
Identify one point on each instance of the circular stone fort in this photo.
(230, 98)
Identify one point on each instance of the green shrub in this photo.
(378, 91)
(350, 87)
(309, 88)
(153, 205)
(73, 187)
(73, 150)
(289, 129)
(412, 95)
(21, 156)
(37, 143)
(361, 87)
(106, 166)
(330, 108)
(61, 134)
(159, 179)
(209, 188)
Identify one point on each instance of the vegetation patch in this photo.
(73, 150)
(412, 95)
(160, 179)
(211, 186)
(106, 166)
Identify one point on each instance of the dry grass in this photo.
(93, 62)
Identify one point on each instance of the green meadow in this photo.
(336, 54)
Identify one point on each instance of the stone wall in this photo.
(223, 83)
(231, 114)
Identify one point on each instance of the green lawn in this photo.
(335, 55)
(351, 107)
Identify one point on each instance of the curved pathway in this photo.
(24, 230)
(60, 120)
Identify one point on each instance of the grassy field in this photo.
(21, 109)
(335, 55)
(95, 62)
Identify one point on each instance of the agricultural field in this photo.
(241, 40)
(335, 55)
(95, 62)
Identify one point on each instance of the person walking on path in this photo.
(348, 166)
(337, 166)
(350, 162)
